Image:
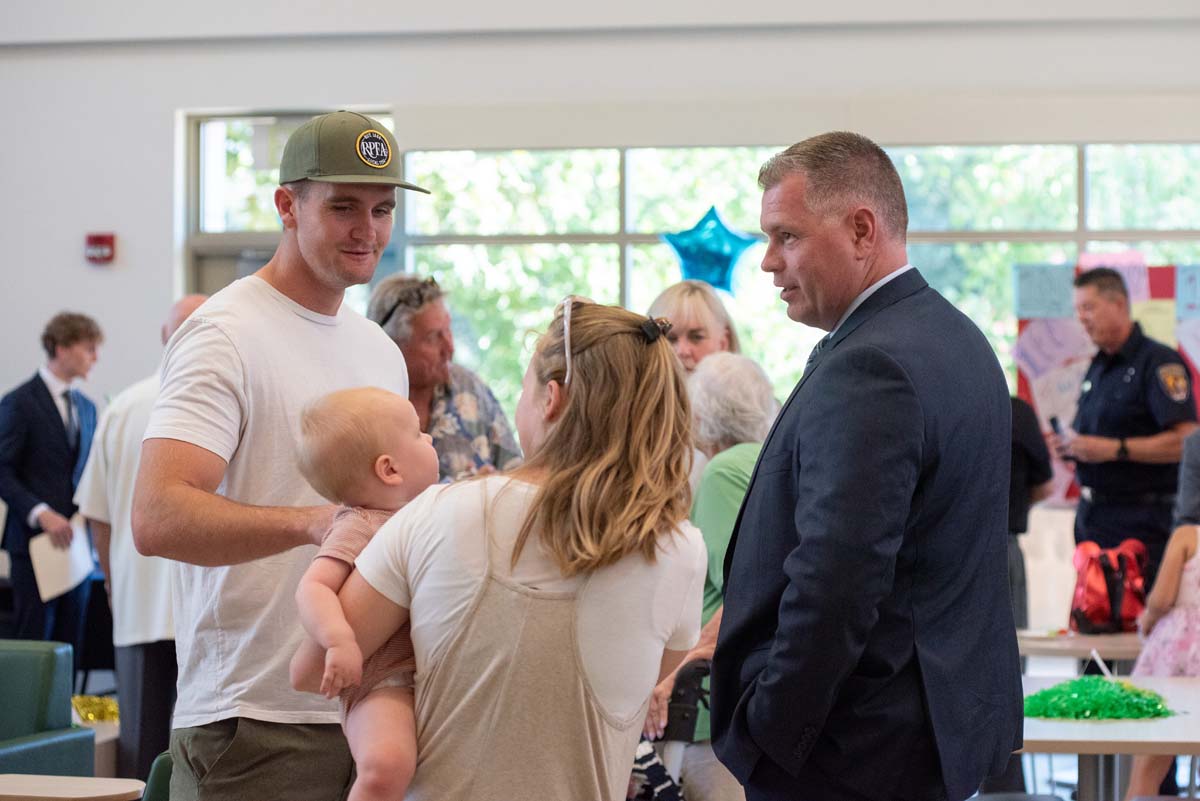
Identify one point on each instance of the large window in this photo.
(509, 233)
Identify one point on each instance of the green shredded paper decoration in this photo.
(1095, 698)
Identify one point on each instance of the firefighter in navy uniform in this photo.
(1135, 408)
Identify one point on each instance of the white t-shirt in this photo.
(141, 585)
(234, 380)
(430, 558)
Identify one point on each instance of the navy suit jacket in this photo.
(867, 648)
(37, 462)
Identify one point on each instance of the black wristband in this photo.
(1122, 451)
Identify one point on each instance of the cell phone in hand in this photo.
(1056, 426)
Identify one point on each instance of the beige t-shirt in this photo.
(234, 380)
(430, 558)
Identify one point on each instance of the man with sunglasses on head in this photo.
(470, 431)
(219, 490)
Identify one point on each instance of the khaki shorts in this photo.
(254, 760)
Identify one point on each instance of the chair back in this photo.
(35, 687)
(158, 782)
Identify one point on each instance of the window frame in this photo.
(200, 244)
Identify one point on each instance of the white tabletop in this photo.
(25, 787)
(1124, 646)
(1177, 734)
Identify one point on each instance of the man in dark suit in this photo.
(45, 434)
(867, 649)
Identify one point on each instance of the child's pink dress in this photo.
(1173, 647)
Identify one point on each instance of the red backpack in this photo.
(1110, 590)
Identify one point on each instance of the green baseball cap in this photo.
(343, 148)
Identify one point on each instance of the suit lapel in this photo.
(45, 401)
(898, 288)
(893, 291)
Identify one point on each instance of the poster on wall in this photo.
(1053, 352)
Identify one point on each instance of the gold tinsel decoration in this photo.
(96, 708)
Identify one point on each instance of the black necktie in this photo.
(817, 348)
(72, 423)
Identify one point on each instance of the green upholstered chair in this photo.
(36, 735)
(158, 783)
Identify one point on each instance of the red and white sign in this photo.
(100, 248)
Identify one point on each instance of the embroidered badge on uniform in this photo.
(373, 149)
(1174, 380)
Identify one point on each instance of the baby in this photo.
(362, 448)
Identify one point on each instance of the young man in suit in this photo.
(867, 649)
(45, 433)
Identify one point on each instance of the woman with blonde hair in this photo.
(547, 602)
(700, 325)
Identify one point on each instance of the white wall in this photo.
(91, 132)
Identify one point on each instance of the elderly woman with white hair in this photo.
(733, 407)
(455, 407)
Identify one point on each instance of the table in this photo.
(1178, 734)
(1121, 647)
(24, 787)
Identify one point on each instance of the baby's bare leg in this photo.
(382, 732)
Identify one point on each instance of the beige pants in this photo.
(242, 759)
(704, 778)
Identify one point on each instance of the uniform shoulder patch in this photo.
(1174, 381)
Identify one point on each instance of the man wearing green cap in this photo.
(219, 490)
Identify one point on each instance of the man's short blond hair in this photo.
(842, 169)
(340, 438)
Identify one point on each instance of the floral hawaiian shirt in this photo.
(469, 428)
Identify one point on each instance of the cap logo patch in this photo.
(1174, 381)
(373, 149)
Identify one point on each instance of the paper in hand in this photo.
(60, 570)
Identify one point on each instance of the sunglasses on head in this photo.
(414, 296)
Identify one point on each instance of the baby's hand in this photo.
(343, 668)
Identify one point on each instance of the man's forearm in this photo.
(708, 638)
(189, 524)
(1164, 448)
(101, 539)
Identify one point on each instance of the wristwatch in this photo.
(1122, 451)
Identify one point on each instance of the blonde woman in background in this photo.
(700, 325)
(547, 602)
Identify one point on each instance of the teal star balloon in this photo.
(709, 251)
